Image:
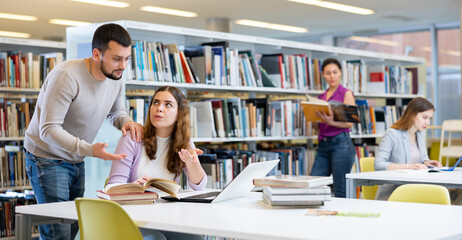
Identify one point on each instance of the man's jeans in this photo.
(55, 181)
(335, 156)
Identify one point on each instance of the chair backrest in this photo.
(366, 164)
(103, 219)
(421, 193)
(450, 126)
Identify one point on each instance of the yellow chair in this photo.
(421, 193)
(103, 219)
(367, 165)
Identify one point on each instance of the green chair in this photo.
(421, 193)
(367, 165)
(102, 219)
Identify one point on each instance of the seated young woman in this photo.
(403, 145)
(166, 149)
(165, 152)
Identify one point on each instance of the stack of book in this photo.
(135, 193)
(288, 190)
(129, 198)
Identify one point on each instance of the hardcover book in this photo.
(127, 196)
(308, 203)
(342, 112)
(293, 181)
(168, 186)
(136, 202)
(296, 191)
(297, 197)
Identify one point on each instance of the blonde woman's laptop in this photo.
(239, 187)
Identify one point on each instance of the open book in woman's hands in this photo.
(168, 186)
(342, 112)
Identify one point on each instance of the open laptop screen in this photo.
(239, 187)
(453, 167)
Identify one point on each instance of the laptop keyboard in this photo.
(204, 195)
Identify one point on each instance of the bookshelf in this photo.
(79, 40)
(34, 58)
(16, 95)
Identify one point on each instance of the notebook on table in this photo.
(239, 187)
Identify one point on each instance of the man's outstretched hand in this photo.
(99, 151)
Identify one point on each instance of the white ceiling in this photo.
(319, 21)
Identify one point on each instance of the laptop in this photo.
(446, 169)
(239, 187)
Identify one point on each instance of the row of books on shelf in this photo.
(15, 116)
(8, 203)
(256, 117)
(215, 63)
(236, 117)
(212, 64)
(375, 119)
(259, 117)
(25, 69)
(13, 167)
(379, 79)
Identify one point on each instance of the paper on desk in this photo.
(319, 212)
(412, 171)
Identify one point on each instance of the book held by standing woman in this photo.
(342, 112)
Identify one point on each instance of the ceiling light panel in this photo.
(336, 6)
(68, 22)
(273, 26)
(105, 3)
(168, 11)
(18, 17)
(374, 40)
(14, 34)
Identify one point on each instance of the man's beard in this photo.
(109, 75)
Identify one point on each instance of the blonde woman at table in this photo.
(403, 145)
(165, 152)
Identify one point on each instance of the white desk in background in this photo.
(447, 179)
(244, 218)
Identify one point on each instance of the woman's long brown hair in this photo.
(181, 134)
(415, 106)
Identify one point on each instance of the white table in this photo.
(447, 179)
(243, 218)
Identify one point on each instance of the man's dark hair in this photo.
(110, 32)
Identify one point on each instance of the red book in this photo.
(281, 69)
(187, 72)
(377, 77)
